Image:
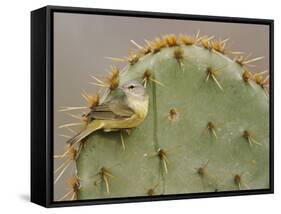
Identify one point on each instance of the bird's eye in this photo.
(131, 87)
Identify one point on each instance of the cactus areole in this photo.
(205, 130)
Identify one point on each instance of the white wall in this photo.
(15, 99)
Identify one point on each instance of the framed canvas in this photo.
(134, 106)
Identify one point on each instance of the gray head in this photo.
(133, 88)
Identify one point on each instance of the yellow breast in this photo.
(140, 108)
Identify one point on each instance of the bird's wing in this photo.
(114, 109)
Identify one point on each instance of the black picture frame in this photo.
(42, 111)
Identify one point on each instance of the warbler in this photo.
(127, 110)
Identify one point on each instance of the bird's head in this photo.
(134, 88)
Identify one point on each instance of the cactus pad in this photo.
(207, 127)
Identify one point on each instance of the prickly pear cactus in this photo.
(207, 128)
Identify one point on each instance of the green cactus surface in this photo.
(207, 128)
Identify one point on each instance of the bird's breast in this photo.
(140, 108)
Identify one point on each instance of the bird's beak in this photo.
(121, 88)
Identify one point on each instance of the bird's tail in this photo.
(95, 125)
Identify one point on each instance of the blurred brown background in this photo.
(81, 43)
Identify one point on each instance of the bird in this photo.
(127, 110)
